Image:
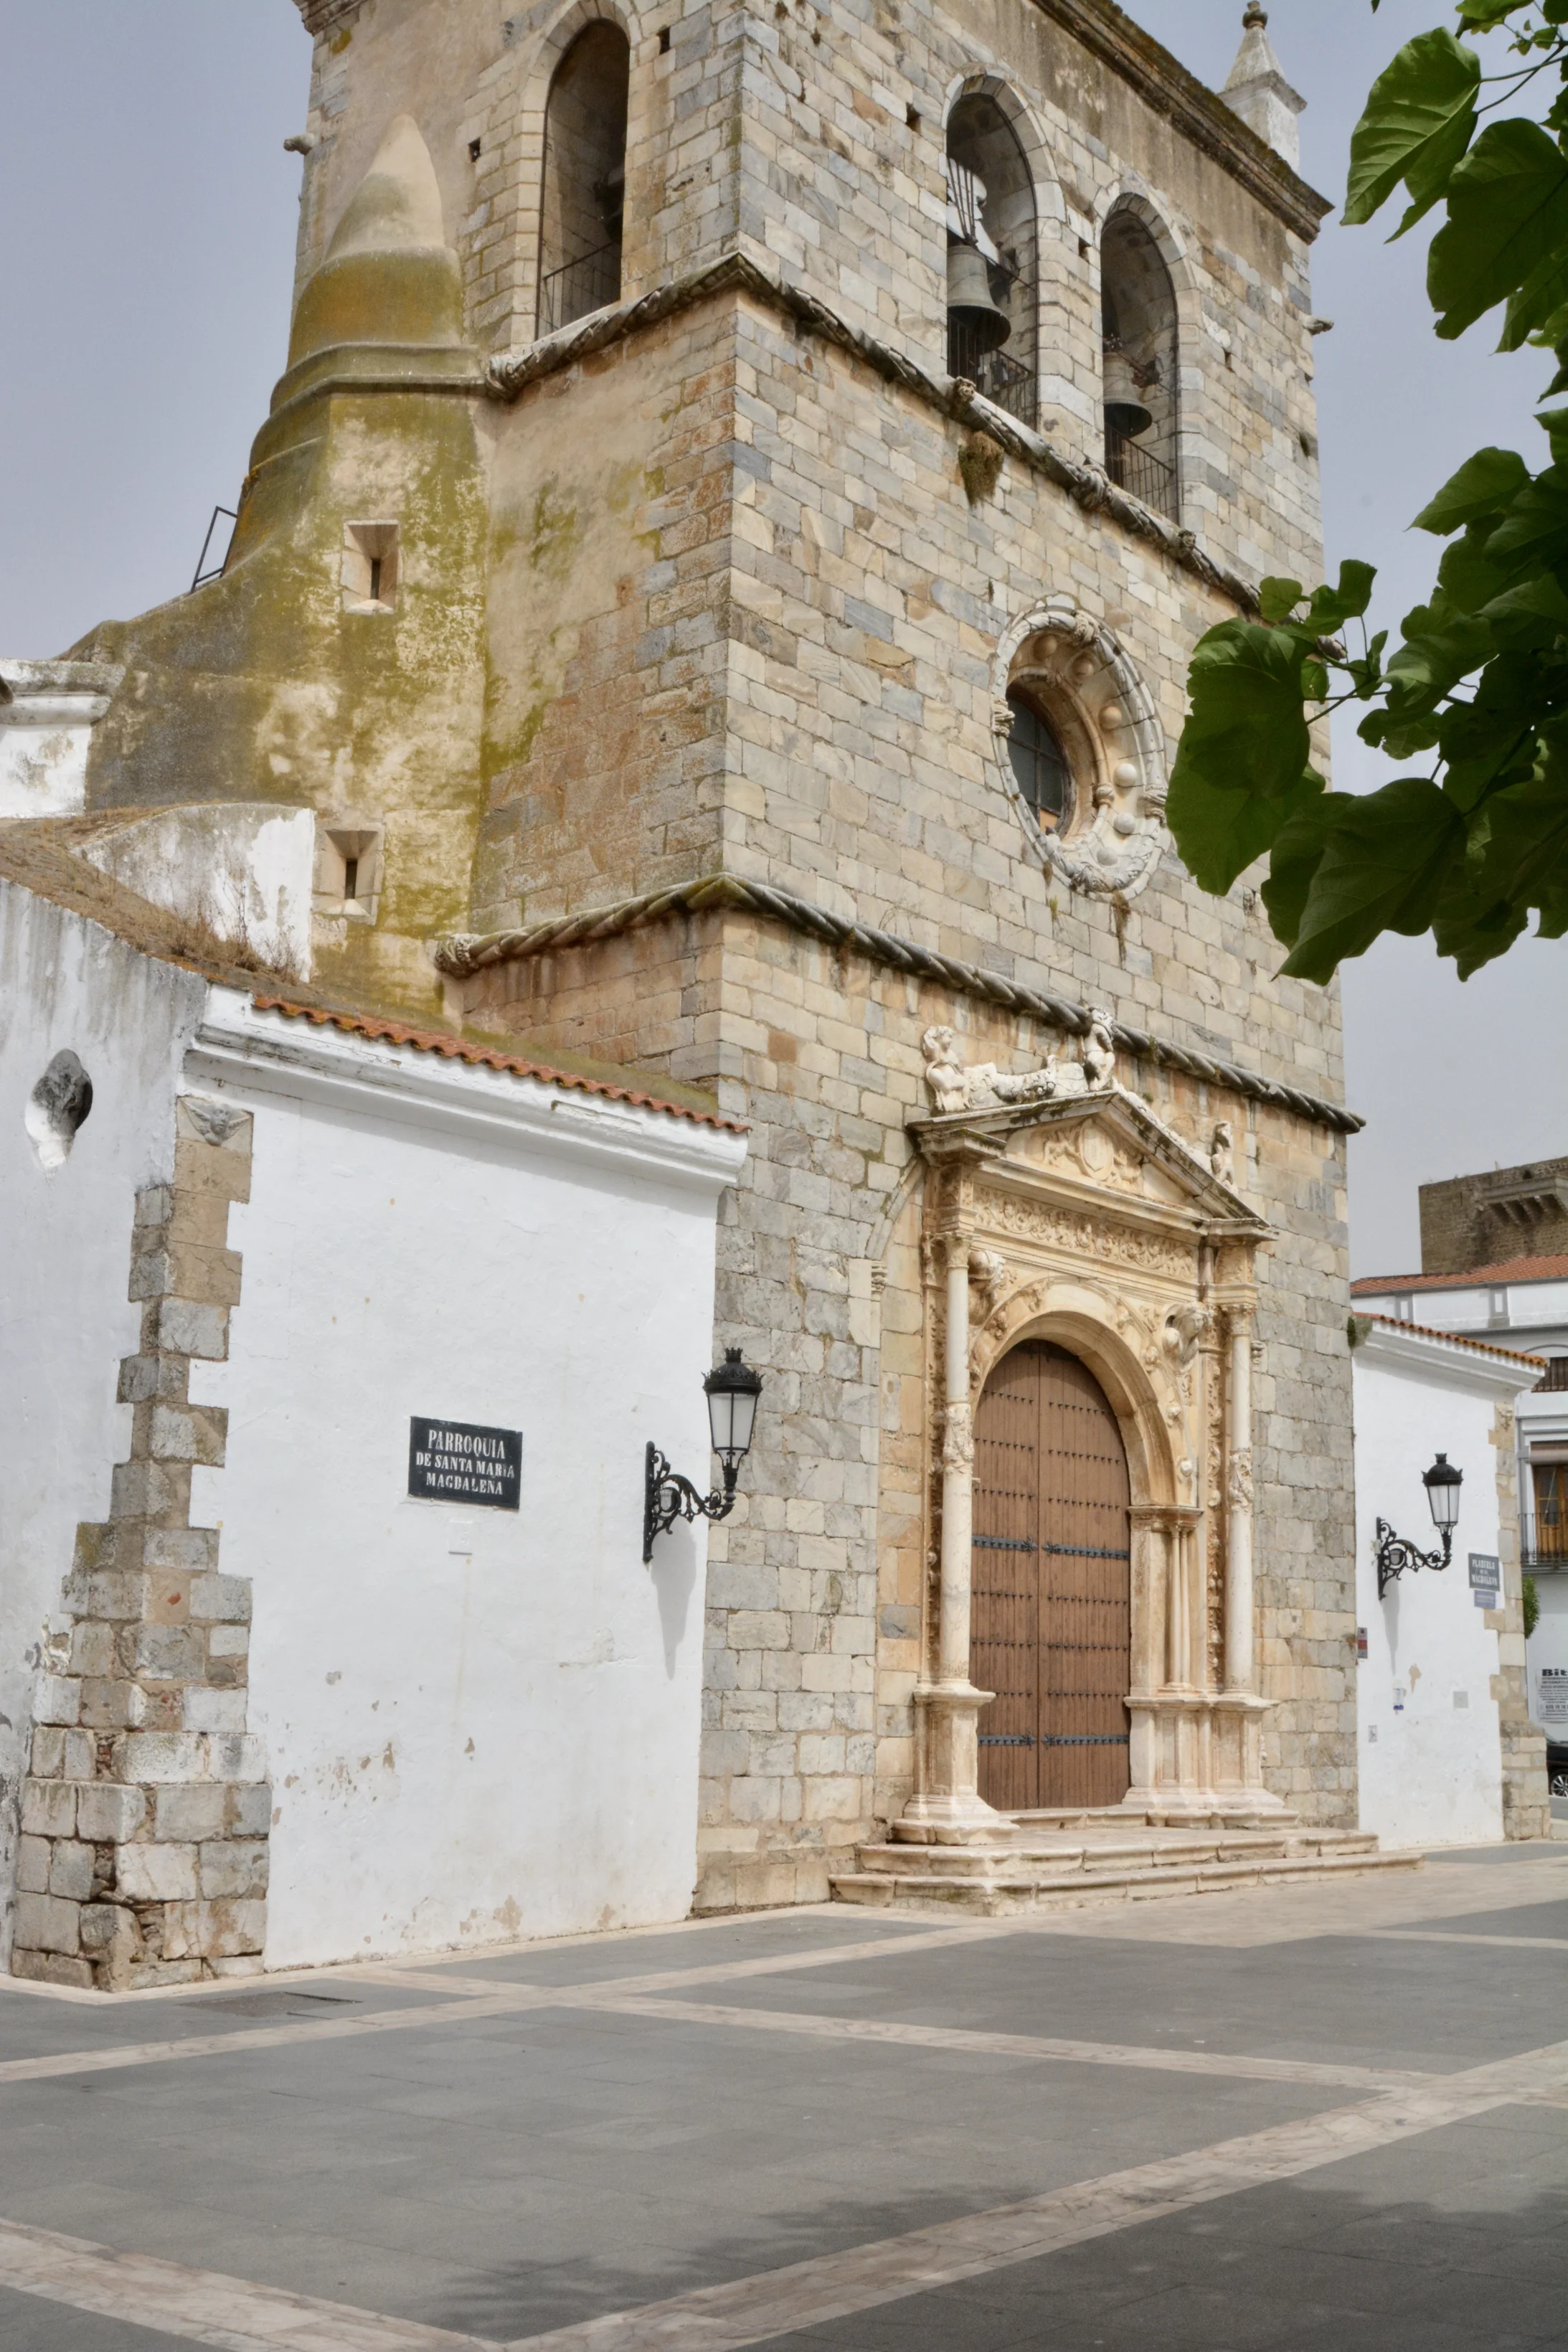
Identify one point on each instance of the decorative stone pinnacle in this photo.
(1256, 15)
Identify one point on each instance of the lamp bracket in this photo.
(1394, 1555)
(667, 1496)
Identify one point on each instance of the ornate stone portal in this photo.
(1059, 1207)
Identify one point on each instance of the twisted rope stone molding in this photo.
(459, 955)
(509, 374)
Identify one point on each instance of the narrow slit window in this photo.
(348, 877)
(369, 567)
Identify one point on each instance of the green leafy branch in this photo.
(1478, 683)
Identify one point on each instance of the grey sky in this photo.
(149, 214)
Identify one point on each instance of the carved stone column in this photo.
(1179, 1603)
(1238, 1608)
(947, 1807)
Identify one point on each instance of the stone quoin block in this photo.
(45, 1923)
(48, 1809)
(109, 1813)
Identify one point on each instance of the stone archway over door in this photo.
(1052, 1585)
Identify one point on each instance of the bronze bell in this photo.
(970, 303)
(1125, 409)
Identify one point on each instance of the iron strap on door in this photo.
(1003, 1543)
(1083, 1739)
(1082, 1552)
(1006, 1738)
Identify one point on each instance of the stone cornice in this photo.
(511, 373)
(320, 16)
(1194, 110)
(460, 956)
(1446, 1358)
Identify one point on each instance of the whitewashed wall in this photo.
(66, 1322)
(479, 1725)
(1428, 1728)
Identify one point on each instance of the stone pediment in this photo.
(1098, 1143)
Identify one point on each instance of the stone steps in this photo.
(1036, 1876)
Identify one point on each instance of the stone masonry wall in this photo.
(143, 1858)
(746, 616)
(1460, 1230)
(817, 1583)
(814, 138)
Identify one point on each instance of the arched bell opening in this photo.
(992, 258)
(583, 193)
(1138, 317)
(1052, 1589)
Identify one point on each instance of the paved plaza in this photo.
(1330, 2115)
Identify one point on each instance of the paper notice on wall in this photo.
(1552, 1695)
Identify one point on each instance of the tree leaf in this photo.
(1277, 599)
(1540, 599)
(1248, 724)
(1331, 608)
(1536, 523)
(1484, 485)
(1419, 119)
(1385, 862)
(1220, 833)
(1297, 852)
(1508, 212)
(1539, 303)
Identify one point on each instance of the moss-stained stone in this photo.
(269, 682)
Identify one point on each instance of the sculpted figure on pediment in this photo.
(957, 1087)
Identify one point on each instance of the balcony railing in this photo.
(1556, 1376)
(1134, 467)
(580, 286)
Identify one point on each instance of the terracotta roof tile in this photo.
(1510, 1269)
(463, 1049)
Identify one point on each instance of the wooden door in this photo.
(1051, 1628)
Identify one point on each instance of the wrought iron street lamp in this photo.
(1394, 1555)
(732, 1389)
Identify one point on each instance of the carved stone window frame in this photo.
(1076, 669)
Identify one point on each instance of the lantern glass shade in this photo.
(1442, 1483)
(732, 1389)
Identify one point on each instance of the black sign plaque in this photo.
(1486, 1579)
(453, 1462)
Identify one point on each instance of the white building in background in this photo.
(358, 1653)
(1442, 1719)
(1518, 1302)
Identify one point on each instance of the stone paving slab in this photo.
(628, 2158)
(1546, 1919)
(1319, 2002)
(31, 2027)
(1459, 2240)
(504, 2173)
(30, 2325)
